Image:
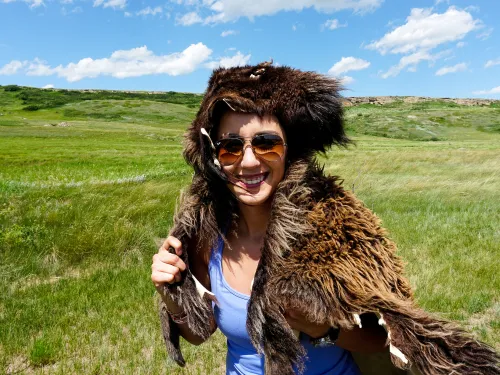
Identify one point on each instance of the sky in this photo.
(437, 48)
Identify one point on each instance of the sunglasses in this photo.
(267, 146)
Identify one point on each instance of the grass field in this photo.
(88, 185)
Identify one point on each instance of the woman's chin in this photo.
(253, 196)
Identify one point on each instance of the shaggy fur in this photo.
(324, 252)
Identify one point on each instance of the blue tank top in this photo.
(242, 358)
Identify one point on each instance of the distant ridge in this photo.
(348, 101)
(381, 100)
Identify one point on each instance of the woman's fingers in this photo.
(164, 256)
(172, 242)
(160, 278)
(167, 267)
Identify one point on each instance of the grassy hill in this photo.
(89, 181)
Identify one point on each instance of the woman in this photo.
(269, 235)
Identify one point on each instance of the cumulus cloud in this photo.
(333, 24)
(425, 30)
(238, 59)
(39, 67)
(150, 11)
(49, 86)
(115, 4)
(121, 64)
(13, 67)
(347, 64)
(189, 19)
(228, 32)
(452, 69)
(410, 62)
(491, 63)
(230, 10)
(494, 90)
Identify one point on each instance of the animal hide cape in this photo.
(324, 252)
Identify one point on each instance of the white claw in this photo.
(357, 319)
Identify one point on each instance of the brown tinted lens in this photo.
(229, 150)
(268, 146)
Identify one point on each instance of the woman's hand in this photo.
(167, 267)
(298, 321)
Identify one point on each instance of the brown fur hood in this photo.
(324, 251)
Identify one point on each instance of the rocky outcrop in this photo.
(381, 100)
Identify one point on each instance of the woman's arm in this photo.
(370, 338)
(167, 268)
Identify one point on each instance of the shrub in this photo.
(12, 88)
(31, 107)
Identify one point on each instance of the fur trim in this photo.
(303, 102)
(327, 254)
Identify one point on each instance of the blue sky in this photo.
(440, 48)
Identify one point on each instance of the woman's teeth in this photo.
(253, 180)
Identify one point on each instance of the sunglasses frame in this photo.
(245, 145)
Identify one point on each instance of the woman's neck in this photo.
(253, 220)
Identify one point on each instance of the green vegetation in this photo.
(88, 187)
(35, 99)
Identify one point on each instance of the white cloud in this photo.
(127, 14)
(485, 34)
(426, 30)
(150, 11)
(411, 62)
(461, 44)
(49, 86)
(491, 63)
(333, 24)
(65, 12)
(122, 64)
(13, 67)
(31, 3)
(472, 8)
(189, 19)
(228, 62)
(228, 32)
(346, 80)
(495, 90)
(115, 4)
(452, 69)
(347, 64)
(231, 10)
(39, 68)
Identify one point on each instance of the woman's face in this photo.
(254, 178)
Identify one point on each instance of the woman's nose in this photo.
(249, 159)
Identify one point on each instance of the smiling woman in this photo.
(280, 257)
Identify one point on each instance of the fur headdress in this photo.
(307, 105)
(324, 252)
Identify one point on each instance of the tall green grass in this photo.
(88, 188)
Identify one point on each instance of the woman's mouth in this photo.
(253, 181)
